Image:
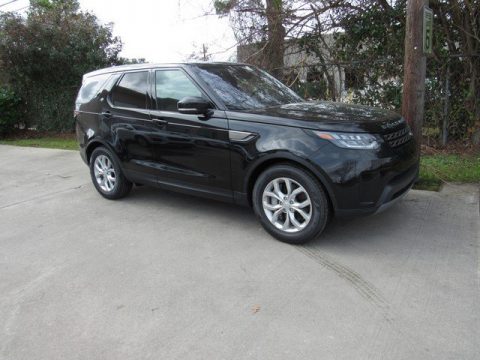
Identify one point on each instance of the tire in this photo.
(113, 187)
(273, 213)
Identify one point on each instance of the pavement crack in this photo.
(42, 196)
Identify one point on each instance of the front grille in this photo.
(399, 137)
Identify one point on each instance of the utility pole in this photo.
(414, 68)
(204, 51)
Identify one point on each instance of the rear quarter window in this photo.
(91, 87)
(131, 91)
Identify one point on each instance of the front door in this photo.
(194, 151)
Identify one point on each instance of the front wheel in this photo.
(290, 204)
(107, 176)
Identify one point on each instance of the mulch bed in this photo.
(453, 147)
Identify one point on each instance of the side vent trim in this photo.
(240, 136)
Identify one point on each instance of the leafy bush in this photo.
(52, 108)
(44, 55)
(10, 111)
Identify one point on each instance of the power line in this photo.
(8, 2)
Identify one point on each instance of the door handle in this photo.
(159, 122)
(107, 114)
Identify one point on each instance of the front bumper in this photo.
(392, 193)
(390, 203)
(397, 189)
(367, 182)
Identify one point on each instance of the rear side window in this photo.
(171, 86)
(131, 91)
(90, 88)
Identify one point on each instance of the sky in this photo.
(160, 30)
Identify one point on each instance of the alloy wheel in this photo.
(287, 204)
(104, 173)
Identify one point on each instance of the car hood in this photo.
(326, 115)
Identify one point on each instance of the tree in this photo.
(369, 45)
(457, 26)
(256, 21)
(364, 40)
(372, 41)
(44, 56)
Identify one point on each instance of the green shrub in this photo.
(11, 112)
(45, 54)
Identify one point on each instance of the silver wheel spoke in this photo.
(288, 185)
(276, 214)
(301, 205)
(297, 191)
(98, 167)
(286, 224)
(294, 221)
(271, 206)
(271, 194)
(276, 187)
(303, 213)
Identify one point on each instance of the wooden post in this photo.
(414, 68)
(446, 106)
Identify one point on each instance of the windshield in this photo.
(243, 87)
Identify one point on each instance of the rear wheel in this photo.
(107, 176)
(290, 204)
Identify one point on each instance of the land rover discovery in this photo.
(233, 132)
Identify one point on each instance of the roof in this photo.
(118, 68)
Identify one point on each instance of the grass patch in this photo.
(437, 169)
(64, 143)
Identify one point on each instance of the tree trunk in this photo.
(274, 50)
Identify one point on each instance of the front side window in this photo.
(171, 86)
(243, 87)
(131, 91)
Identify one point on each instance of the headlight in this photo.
(351, 140)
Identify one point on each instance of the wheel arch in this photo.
(95, 143)
(287, 158)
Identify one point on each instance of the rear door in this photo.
(132, 131)
(195, 153)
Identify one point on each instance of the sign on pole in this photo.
(427, 30)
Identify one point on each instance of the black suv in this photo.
(232, 132)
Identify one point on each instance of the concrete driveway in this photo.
(160, 275)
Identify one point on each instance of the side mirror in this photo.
(194, 105)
